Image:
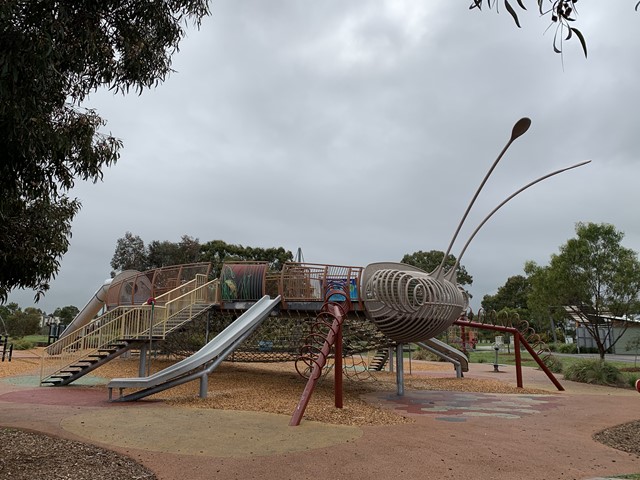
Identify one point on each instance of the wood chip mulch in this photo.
(29, 456)
(274, 388)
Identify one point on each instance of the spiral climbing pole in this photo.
(326, 334)
(311, 352)
(526, 330)
(534, 339)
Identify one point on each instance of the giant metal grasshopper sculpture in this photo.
(410, 305)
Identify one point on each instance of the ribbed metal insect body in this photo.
(410, 305)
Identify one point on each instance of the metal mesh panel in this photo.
(137, 287)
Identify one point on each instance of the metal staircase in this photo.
(85, 365)
(123, 329)
(379, 360)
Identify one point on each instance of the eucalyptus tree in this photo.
(512, 295)
(66, 314)
(217, 252)
(52, 55)
(164, 253)
(130, 254)
(598, 276)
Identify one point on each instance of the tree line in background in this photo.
(17, 323)
(131, 253)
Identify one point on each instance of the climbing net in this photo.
(280, 338)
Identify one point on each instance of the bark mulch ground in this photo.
(253, 387)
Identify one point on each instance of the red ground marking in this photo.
(68, 396)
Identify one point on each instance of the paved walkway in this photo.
(455, 435)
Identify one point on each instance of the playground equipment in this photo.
(209, 357)
(129, 323)
(410, 305)
(6, 347)
(448, 353)
(519, 339)
(93, 306)
(382, 306)
(332, 315)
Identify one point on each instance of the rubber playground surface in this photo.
(454, 435)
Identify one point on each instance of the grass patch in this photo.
(27, 342)
(36, 338)
(504, 358)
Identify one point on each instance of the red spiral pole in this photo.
(334, 338)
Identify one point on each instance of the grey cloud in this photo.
(359, 131)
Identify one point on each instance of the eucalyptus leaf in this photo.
(512, 12)
(583, 42)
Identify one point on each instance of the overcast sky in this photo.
(358, 131)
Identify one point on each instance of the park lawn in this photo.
(36, 338)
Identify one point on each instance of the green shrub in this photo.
(553, 347)
(589, 350)
(567, 348)
(421, 354)
(553, 363)
(424, 354)
(595, 372)
(22, 344)
(632, 379)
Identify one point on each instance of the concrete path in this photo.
(454, 435)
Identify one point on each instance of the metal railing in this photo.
(308, 282)
(129, 323)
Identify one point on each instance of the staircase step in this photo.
(52, 382)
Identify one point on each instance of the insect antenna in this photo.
(451, 273)
(519, 128)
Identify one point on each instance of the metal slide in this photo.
(96, 302)
(203, 362)
(447, 352)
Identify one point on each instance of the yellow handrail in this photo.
(128, 323)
